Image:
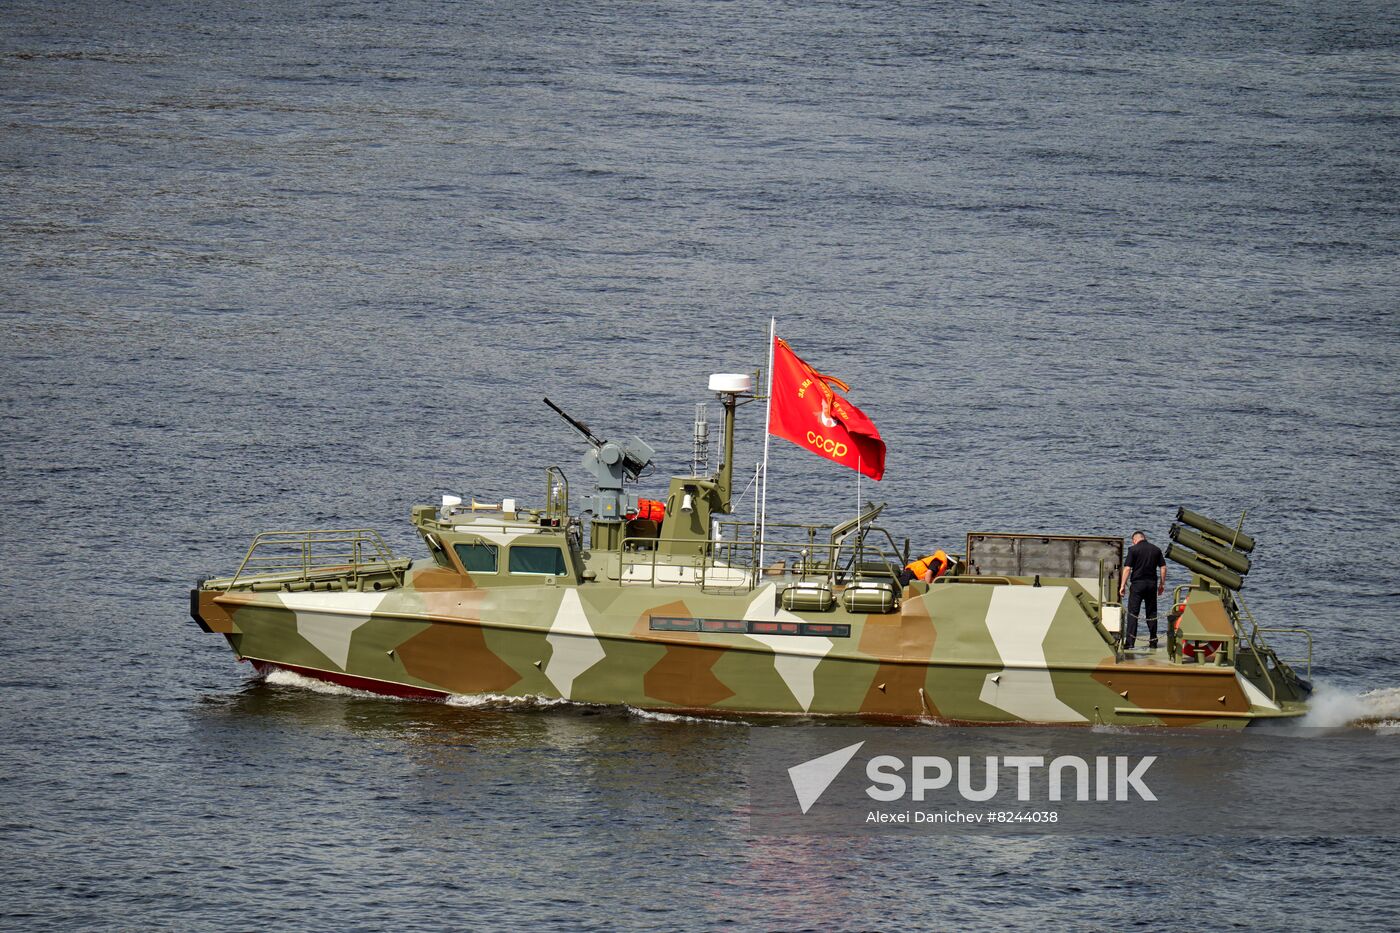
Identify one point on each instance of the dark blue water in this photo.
(269, 267)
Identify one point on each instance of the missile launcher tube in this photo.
(1222, 575)
(1225, 533)
(1208, 548)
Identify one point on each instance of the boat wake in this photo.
(502, 702)
(493, 702)
(658, 716)
(281, 678)
(1330, 708)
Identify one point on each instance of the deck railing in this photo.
(350, 554)
(731, 563)
(1263, 651)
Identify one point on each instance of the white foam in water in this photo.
(281, 678)
(1329, 708)
(482, 701)
(502, 702)
(658, 716)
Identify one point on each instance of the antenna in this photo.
(700, 451)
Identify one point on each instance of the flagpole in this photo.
(860, 537)
(767, 435)
(757, 485)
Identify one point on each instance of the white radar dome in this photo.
(731, 382)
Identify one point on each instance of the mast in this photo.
(767, 435)
(725, 480)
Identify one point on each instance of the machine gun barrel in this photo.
(578, 425)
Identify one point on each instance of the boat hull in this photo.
(1032, 658)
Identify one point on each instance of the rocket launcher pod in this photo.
(1226, 534)
(1208, 548)
(1222, 575)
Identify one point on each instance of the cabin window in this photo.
(542, 560)
(439, 555)
(477, 558)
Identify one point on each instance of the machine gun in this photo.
(578, 425)
(612, 464)
(633, 455)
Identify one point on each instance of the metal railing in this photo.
(1263, 651)
(1109, 596)
(826, 551)
(949, 579)
(731, 564)
(556, 510)
(697, 570)
(1260, 649)
(1305, 660)
(348, 554)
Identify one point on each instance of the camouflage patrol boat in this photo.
(675, 605)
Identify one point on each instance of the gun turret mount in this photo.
(612, 464)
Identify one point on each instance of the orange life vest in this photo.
(650, 509)
(938, 563)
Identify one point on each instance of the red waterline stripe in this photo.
(356, 683)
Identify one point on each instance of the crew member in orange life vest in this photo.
(927, 569)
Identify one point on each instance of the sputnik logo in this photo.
(811, 778)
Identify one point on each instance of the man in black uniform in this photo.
(1145, 574)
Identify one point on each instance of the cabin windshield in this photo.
(541, 560)
(477, 557)
(439, 555)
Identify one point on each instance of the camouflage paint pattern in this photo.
(961, 651)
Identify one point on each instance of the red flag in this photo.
(804, 408)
